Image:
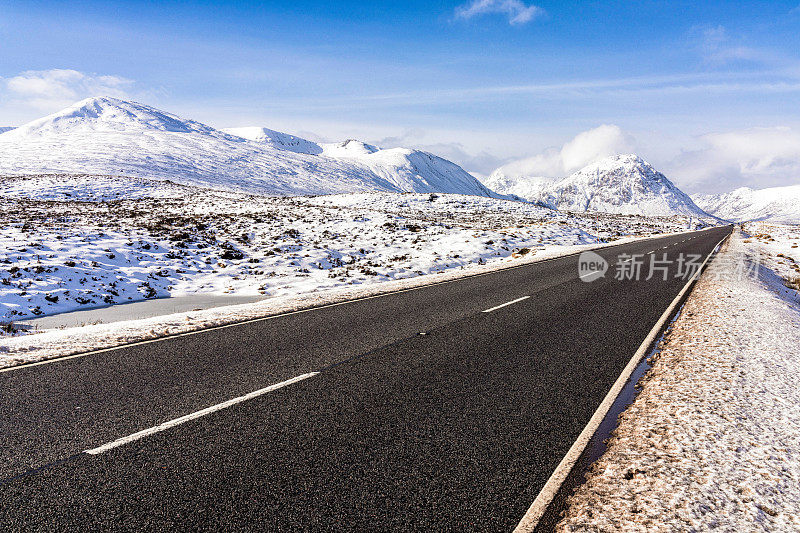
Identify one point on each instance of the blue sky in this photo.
(706, 91)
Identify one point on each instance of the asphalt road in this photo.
(454, 429)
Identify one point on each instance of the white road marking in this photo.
(505, 304)
(207, 411)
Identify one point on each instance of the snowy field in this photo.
(778, 247)
(76, 242)
(712, 442)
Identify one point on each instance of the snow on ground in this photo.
(713, 439)
(778, 247)
(21, 349)
(77, 242)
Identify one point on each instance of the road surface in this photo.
(445, 407)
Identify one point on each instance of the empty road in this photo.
(445, 407)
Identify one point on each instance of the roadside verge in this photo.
(543, 512)
(712, 439)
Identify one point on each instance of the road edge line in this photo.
(546, 495)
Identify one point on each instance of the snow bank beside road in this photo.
(713, 439)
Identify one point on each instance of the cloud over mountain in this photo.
(46, 89)
(756, 158)
(586, 147)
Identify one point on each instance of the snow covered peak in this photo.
(625, 184)
(276, 139)
(621, 170)
(108, 136)
(104, 113)
(620, 165)
(532, 188)
(349, 148)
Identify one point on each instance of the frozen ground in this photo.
(778, 247)
(61, 231)
(712, 442)
(21, 349)
(76, 242)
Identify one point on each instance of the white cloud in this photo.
(584, 148)
(50, 90)
(718, 48)
(756, 157)
(516, 10)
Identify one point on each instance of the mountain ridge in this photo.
(778, 204)
(104, 135)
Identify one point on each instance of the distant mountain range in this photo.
(108, 136)
(777, 204)
(624, 184)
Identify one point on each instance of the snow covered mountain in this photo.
(4, 129)
(778, 204)
(281, 141)
(623, 184)
(107, 136)
(532, 188)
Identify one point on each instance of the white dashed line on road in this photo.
(203, 412)
(505, 304)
